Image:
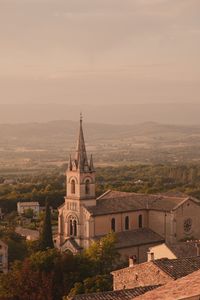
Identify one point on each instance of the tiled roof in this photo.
(183, 249)
(114, 201)
(73, 243)
(184, 288)
(117, 295)
(177, 268)
(141, 236)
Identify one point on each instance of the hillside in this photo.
(37, 144)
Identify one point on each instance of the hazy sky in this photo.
(99, 51)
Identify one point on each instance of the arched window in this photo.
(70, 227)
(140, 221)
(75, 227)
(113, 224)
(127, 223)
(87, 187)
(73, 186)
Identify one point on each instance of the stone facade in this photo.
(186, 288)
(139, 275)
(22, 207)
(158, 272)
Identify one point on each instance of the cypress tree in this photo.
(46, 240)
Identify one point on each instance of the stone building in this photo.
(155, 272)
(22, 207)
(140, 221)
(186, 288)
(159, 279)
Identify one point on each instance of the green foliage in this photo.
(46, 240)
(104, 254)
(24, 283)
(17, 247)
(44, 260)
(51, 274)
(154, 179)
(98, 283)
(33, 188)
(29, 213)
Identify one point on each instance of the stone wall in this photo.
(139, 275)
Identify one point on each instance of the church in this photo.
(140, 221)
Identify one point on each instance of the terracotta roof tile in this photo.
(183, 288)
(116, 295)
(177, 268)
(183, 249)
(114, 201)
(141, 236)
(130, 238)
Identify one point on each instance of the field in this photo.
(36, 146)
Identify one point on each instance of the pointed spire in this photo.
(81, 155)
(70, 163)
(91, 163)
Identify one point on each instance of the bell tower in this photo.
(80, 175)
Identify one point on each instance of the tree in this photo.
(99, 283)
(23, 283)
(104, 254)
(46, 240)
(29, 213)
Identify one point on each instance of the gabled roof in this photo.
(183, 249)
(141, 236)
(174, 268)
(177, 268)
(117, 295)
(184, 288)
(115, 202)
(71, 245)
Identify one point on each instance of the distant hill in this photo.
(165, 113)
(51, 142)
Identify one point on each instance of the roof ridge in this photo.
(104, 194)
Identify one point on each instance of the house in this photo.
(185, 288)
(3, 257)
(155, 272)
(177, 250)
(22, 207)
(140, 221)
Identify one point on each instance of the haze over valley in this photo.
(39, 145)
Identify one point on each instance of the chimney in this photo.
(150, 256)
(132, 260)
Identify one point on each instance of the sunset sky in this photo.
(99, 51)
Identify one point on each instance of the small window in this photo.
(75, 227)
(140, 221)
(73, 188)
(87, 187)
(70, 227)
(127, 223)
(113, 224)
